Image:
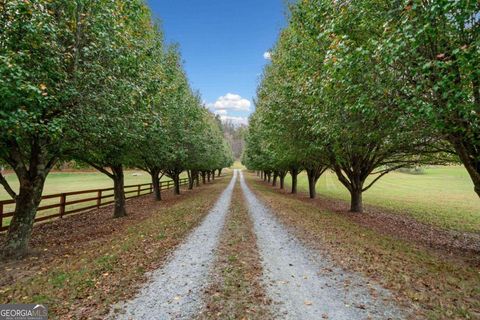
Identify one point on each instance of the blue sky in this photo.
(223, 44)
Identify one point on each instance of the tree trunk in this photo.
(176, 183)
(354, 183)
(313, 176)
(156, 184)
(197, 178)
(213, 175)
(219, 172)
(469, 158)
(203, 177)
(282, 181)
(294, 174)
(356, 203)
(311, 186)
(26, 204)
(191, 179)
(119, 192)
(208, 176)
(269, 177)
(261, 174)
(274, 182)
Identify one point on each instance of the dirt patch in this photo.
(461, 246)
(236, 291)
(432, 285)
(84, 263)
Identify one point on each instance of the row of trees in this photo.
(367, 87)
(92, 80)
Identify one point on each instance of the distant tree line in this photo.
(235, 135)
(93, 81)
(366, 87)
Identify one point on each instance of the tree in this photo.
(286, 111)
(182, 120)
(365, 133)
(47, 52)
(217, 153)
(110, 124)
(435, 46)
(152, 152)
(329, 100)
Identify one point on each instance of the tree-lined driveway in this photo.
(299, 282)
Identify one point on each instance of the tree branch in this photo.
(15, 158)
(342, 178)
(7, 187)
(51, 163)
(381, 175)
(102, 170)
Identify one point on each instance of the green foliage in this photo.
(435, 45)
(92, 81)
(335, 93)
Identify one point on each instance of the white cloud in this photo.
(235, 120)
(267, 55)
(231, 101)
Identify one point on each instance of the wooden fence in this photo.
(78, 201)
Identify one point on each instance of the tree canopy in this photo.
(94, 81)
(353, 87)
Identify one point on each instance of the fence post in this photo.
(1, 215)
(151, 187)
(63, 200)
(138, 192)
(99, 199)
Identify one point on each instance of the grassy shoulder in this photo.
(435, 287)
(236, 291)
(95, 270)
(441, 196)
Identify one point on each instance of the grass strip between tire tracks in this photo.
(236, 291)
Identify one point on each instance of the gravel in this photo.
(306, 285)
(175, 290)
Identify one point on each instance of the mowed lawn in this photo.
(442, 196)
(58, 182)
(61, 182)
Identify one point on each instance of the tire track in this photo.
(175, 290)
(305, 285)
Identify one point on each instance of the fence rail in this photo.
(78, 201)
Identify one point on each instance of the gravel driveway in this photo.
(305, 285)
(175, 290)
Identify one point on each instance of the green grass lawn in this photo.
(59, 182)
(442, 196)
(237, 165)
